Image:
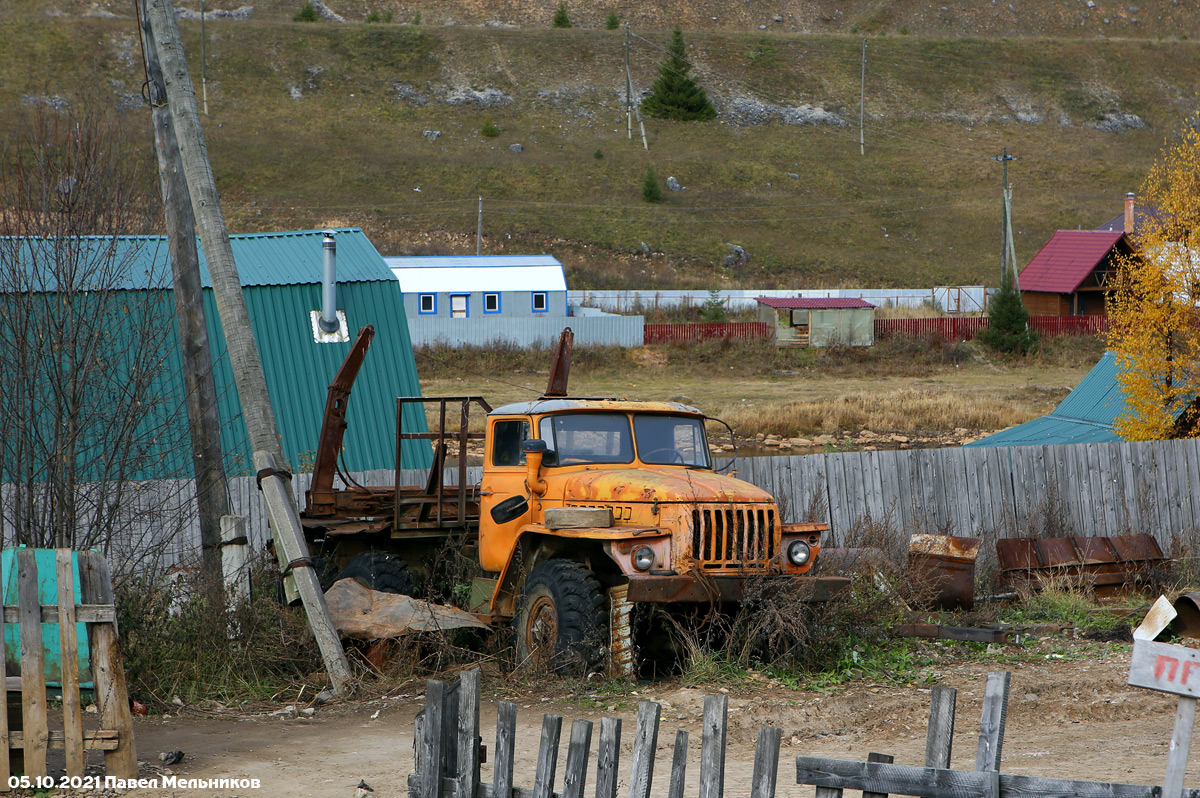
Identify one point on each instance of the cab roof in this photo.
(558, 404)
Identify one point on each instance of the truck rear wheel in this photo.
(561, 623)
(379, 570)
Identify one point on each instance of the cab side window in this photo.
(507, 437)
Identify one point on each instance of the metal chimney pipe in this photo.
(1129, 215)
(329, 320)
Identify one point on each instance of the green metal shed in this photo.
(281, 282)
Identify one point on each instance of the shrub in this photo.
(489, 130)
(713, 311)
(307, 13)
(373, 16)
(651, 190)
(598, 155)
(611, 22)
(561, 19)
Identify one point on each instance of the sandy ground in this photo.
(1070, 715)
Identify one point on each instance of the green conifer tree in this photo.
(675, 95)
(1008, 321)
(561, 19)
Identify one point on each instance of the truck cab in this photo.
(626, 492)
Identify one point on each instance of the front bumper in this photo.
(712, 588)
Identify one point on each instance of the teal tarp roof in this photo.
(292, 257)
(1087, 414)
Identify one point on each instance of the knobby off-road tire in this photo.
(562, 619)
(379, 570)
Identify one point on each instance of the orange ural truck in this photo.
(585, 508)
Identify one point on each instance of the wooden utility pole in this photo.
(239, 340)
(862, 101)
(204, 422)
(1004, 158)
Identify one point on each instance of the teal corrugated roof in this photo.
(291, 257)
(1087, 414)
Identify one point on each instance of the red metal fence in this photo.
(1069, 325)
(667, 333)
(964, 329)
(948, 328)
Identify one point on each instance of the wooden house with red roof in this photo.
(1070, 275)
(819, 321)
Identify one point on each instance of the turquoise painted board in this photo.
(47, 594)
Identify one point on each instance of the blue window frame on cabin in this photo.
(427, 304)
(539, 302)
(491, 303)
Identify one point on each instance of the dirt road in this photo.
(1070, 715)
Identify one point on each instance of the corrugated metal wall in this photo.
(953, 299)
(626, 331)
(298, 373)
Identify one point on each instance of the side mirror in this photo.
(535, 450)
(510, 509)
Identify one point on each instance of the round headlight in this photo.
(643, 558)
(798, 552)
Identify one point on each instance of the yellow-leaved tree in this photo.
(1152, 308)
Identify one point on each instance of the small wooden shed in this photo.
(819, 321)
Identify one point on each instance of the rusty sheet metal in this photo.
(712, 588)
(1158, 618)
(947, 564)
(1107, 564)
(366, 614)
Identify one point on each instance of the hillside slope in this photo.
(380, 125)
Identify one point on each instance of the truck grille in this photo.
(733, 539)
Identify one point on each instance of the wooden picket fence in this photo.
(26, 738)
(448, 754)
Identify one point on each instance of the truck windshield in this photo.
(671, 440)
(577, 438)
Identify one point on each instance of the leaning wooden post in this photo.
(69, 656)
(939, 740)
(35, 732)
(712, 746)
(506, 731)
(430, 777)
(645, 741)
(108, 672)
(467, 778)
(766, 763)
(577, 759)
(608, 758)
(991, 721)
(678, 766)
(248, 375)
(543, 778)
(1169, 669)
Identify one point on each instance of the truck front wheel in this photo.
(561, 623)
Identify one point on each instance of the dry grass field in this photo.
(901, 385)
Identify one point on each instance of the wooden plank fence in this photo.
(26, 737)
(448, 742)
(1097, 489)
(1093, 489)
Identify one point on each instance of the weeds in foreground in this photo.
(176, 644)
